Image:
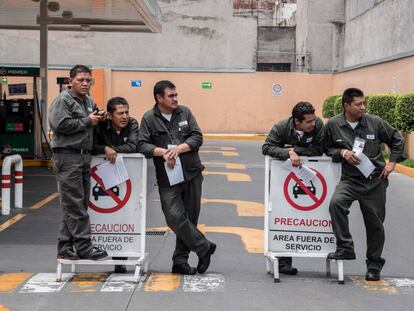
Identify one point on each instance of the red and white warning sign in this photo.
(299, 220)
(117, 214)
(112, 199)
(305, 196)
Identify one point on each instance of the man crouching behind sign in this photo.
(299, 135)
(119, 134)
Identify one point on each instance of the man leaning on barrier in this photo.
(347, 134)
(299, 135)
(169, 133)
(118, 134)
(72, 116)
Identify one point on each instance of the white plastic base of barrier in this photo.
(272, 264)
(141, 265)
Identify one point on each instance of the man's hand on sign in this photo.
(95, 117)
(350, 157)
(110, 154)
(175, 152)
(389, 167)
(293, 156)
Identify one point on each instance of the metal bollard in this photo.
(6, 183)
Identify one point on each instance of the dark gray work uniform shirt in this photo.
(156, 131)
(375, 131)
(283, 137)
(126, 141)
(69, 121)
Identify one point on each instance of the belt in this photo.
(71, 151)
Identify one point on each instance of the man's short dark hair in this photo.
(115, 101)
(79, 68)
(160, 86)
(302, 108)
(349, 95)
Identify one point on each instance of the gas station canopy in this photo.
(82, 15)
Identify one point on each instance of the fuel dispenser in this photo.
(17, 127)
(20, 130)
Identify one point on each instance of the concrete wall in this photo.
(385, 30)
(317, 33)
(196, 34)
(237, 102)
(276, 45)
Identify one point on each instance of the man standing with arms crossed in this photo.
(72, 116)
(369, 132)
(119, 134)
(299, 135)
(169, 133)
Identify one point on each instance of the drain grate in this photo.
(156, 233)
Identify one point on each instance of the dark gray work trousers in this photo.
(72, 173)
(181, 206)
(371, 195)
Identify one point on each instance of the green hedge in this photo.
(398, 110)
(404, 111)
(338, 105)
(328, 106)
(382, 106)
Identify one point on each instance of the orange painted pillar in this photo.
(97, 90)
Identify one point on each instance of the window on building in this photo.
(274, 67)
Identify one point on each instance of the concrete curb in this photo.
(234, 137)
(409, 171)
(35, 163)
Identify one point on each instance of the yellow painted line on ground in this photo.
(11, 221)
(162, 282)
(230, 176)
(223, 153)
(222, 148)
(3, 308)
(87, 282)
(252, 238)
(10, 281)
(235, 166)
(45, 201)
(244, 208)
(375, 286)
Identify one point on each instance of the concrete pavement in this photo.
(236, 279)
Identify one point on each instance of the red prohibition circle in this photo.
(317, 202)
(120, 203)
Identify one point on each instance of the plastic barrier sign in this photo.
(298, 211)
(117, 214)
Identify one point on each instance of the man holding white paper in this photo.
(119, 134)
(299, 135)
(354, 138)
(170, 135)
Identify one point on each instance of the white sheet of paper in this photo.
(365, 166)
(175, 175)
(304, 173)
(112, 174)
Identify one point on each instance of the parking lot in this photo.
(233, 217)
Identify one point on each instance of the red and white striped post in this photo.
(6, 183)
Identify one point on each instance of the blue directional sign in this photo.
(136, 83)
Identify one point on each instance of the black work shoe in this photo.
(372, 275)
(288, 269)
(120, 269)
(94, 253)
(184, 268)
(341, 254)
(204, 262)
(68, 254)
